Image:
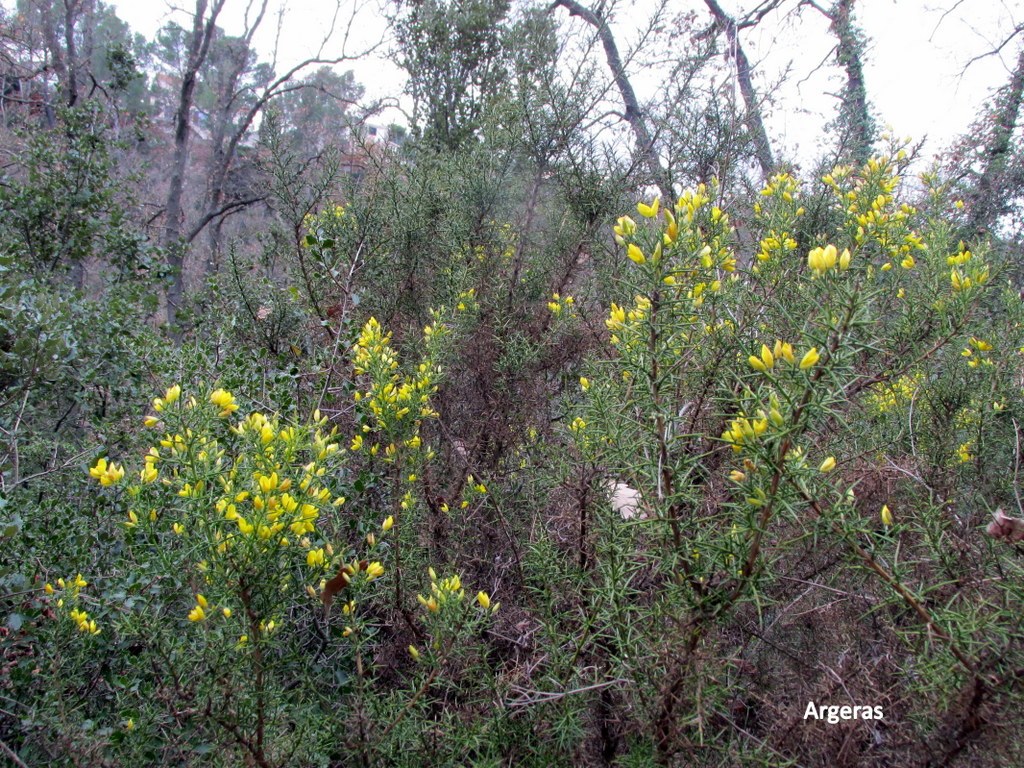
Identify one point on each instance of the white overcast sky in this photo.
(914, 60)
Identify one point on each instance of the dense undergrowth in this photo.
(361, 516)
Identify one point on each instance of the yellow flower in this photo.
(821, 260)
(357, 443)
(828, 464)
(886, 515)
(672, 230)
(315, 558)
(374, 570)
(584, 383)
(225, 401)
(389, 521)
(268, 483)
(736, 476)
(107, 474)
(963, 453)
(197, 614)
(784, 350)
(172, 394)
(617, 317)
(809, 359)
(624, 226)
(635, 254)
(649, 211)
(430, 603)
(414, 653)
(484, 600)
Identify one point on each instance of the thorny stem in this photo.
(412, 702)
(258, 677)
(396, 481)
(894, 583)
(766, 513)
(665, 486)
(671, 692)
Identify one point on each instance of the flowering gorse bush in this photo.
(775, 460)
(732, 403)
(241, 573)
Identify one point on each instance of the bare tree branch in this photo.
(634, 114)
(986, 202)
(203, 29)
(855, 111)
(753, 119)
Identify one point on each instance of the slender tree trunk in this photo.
(216, 173)
(58, 61)
(224, 139)
(634, 114)
(986, 202)
(855, 98)
(70, 8)
(858, 127)
(203, 30)
(752, 107)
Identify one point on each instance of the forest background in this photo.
(555, 411)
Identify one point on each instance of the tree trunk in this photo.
(634, 114)
(855, 97)
(203, 30)
(856, 123)
(986, 202)
(57, 58)
(753, 118)
(70, 7)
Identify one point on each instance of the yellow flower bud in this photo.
(809, 359)
(649, 211)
